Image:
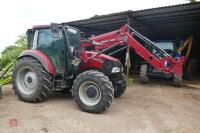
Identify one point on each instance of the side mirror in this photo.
(55, 30)
(83, 34)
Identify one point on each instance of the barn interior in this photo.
(177, 23)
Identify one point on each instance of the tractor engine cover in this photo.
(104, 63)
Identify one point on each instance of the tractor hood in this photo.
(105, 63)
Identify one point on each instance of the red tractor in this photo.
(55, 61)
(153, 56)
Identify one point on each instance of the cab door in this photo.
(73, 39)
(53, 47)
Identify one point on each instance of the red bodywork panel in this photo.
(95, 62)
(41, 26)
(46, 60)
(122, 37)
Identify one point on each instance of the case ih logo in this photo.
(13, 122)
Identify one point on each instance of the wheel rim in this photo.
(89, 93)
(26, 80)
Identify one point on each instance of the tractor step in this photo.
(60, 84)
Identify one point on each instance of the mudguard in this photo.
(41, 57)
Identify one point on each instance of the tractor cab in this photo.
(168, 46)
(59, 43)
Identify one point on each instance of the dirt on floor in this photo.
(156, 107)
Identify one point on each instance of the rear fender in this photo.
(41, 57)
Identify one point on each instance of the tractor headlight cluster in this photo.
(115, 70)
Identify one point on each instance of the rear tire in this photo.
(119, 88)
(31, 82)
(92, 91)
(143, 73)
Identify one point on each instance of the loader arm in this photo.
(162, 61)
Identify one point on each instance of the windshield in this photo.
(73, 38)
(166, 46)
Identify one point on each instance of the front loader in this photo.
(55, 61)
(152, 55)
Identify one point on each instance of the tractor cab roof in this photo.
(35, 27)
(41, 26)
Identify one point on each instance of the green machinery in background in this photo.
(6, 76)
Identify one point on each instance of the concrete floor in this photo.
(156, 107)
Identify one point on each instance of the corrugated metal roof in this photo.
(181, 19)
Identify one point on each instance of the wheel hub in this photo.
(30, 79)
(89, 93)
(27, 80)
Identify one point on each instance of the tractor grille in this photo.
(107, 67)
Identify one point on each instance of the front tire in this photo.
(30, 81)
(92, 91)
(120, 88)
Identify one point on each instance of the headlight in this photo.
(115, 70)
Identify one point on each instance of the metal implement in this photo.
(187, 44)
(127, 36)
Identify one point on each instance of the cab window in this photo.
(52, 47)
